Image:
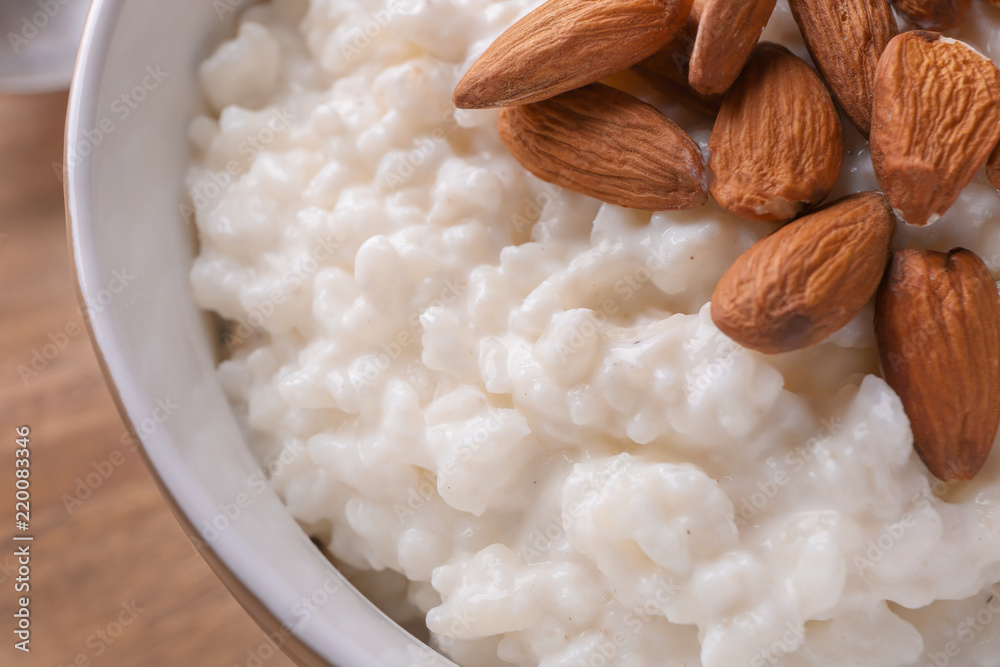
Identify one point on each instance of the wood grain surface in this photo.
(114, 581)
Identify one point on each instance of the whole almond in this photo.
(728, 30)
(937, 320)
(667, 71)
(993, 165)
(933, 14)
(777, 145)
(846, 39)
(936, 118)
(804, 282)
(603, 143)
(565, 44)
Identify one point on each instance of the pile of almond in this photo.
(929, 105)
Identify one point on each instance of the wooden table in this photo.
(114, 581)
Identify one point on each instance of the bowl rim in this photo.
(80, 226)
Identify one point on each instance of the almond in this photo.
(777, 145)
(937, 320)
(603, 143)
(565, 44)
(728, 30)
(936, 118)
(933, 14)
(667, 71)
(846, 39)
(797, 286)
(993, 167)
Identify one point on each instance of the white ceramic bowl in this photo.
(134, 91)
(39, 43)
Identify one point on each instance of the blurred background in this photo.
(114, 580)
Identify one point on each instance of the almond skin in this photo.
(603, 143)
(846, 39)
(993, 167)
(565, 44)
(937, 320)
(777, 145)
(667, 71)
(797, 286)
(936, 118)
(933, 14)
(728, 30)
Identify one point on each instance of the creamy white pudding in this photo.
(509, 401)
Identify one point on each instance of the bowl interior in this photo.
(134, 92)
